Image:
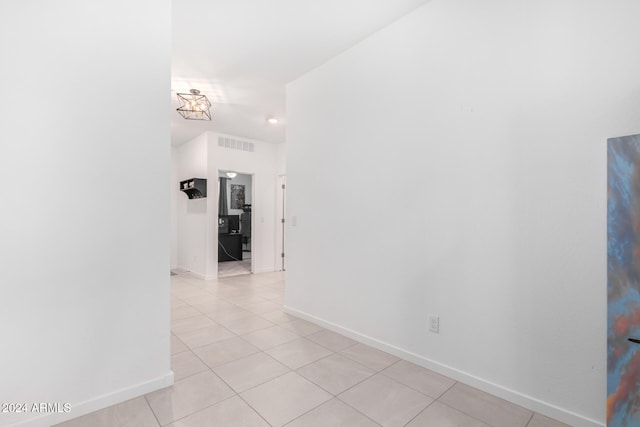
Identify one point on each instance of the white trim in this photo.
(544, 408)
(99, 402)
(253, 218)
(202, 276)
(264, 270)
(280, 227)
(194, 273)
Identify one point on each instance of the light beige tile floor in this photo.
(235, 268)
(240, 361)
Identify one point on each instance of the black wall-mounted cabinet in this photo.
(195, 188)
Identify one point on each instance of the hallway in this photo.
(239, 360)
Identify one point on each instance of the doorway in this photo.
(235, 206)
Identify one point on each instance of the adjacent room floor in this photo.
(235, 268)
(239, 360)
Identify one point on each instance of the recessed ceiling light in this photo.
(231, 174)
(272, 120)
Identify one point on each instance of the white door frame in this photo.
(253, 217)
(281, 227)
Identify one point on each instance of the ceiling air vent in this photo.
(235, 144)
(195, 188)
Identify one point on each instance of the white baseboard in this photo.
(198, 275)
(181, 269)
(544, 408)
(99, 402)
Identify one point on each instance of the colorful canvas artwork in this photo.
(623, 281)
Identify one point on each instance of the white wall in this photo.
(282, 158)
(84, 313)
(281, 228)
(197, 225)
(174, 206)
(191, 243)
(262, 163)
(499, 112)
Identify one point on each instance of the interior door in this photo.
(623, 281)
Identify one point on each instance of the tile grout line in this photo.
(208, 406)
(235, 393)
(418, 414)
(152, 411)
(199, 410)
(334, 397)
(204, 345)
(264, 382)
(253, 409)
(371, 376)
(305, 378)
(414, 389)
(467, 414)
(333, 352)
(530, 418)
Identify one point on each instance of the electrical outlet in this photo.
(434, 323)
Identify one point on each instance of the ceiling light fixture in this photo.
(231, 174)
(272, 120)
(194, 106)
